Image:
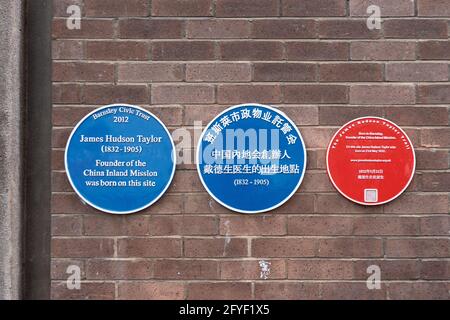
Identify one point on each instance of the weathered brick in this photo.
(409, 72)
(151, 290)
(68, 203)
(402, 248)
(346, 29)
(218, 72)
(334, 115)
(249, 93)
(418, 116)
(415, 28)
(182, 8)
(255, 225)
(60, 7)
(435, 269)
(363, 72)
(107, 225)
(392, 269)
(183, 50)
(284, 247)
(83, 71)
(116, 8)
(382, 94)
(432, 159)
(383, 50)
(317, 51)
(351, 291)
(82, 247)
(252, 269)
(389, 226)
(320, 225)
(287, 291)
(421, 203)
(248, 8)
(183, 225)
(435, 225)
(215, 247)
(433, 50)
(164, 94)
(116, 50)
(320, 269)
(67, 93)
(59, 268)
(90, 29)
(88, 291)
(388, 8)
(284, 72)
(314, 8)
(439, 182)
(334, 203)
(315, 93)
(248, 50)
(67, 49)
(149, 247)
(108, 94)
(100, 269)
(186, 269)
(186, 181)
(298, 204)
(218, 29)
(436, 138)
(439, 93)
(350, 247)
(284, 29)
(419, 290)
(150, 72)
(301, 115)
(219, 291)
(151, 29)
(316, 182)
(433, 8)
(67, 226)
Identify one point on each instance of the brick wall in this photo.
(186, 60)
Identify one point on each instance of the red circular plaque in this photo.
(370, 161)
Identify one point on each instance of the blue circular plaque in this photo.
(120, 159)
(251, 158)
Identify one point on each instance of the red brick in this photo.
(314, 8)
(248, 50)
(116, 8)
(248, 93)
(351, 291)
(149, 247)
(298, 204)
(57, 159)
(107, 225)
(320, 225)
(415, 29)
(435, 225)
(150, 72)
(59, 267)
(248, 8)
(390, 269)
(215, 248)
(433, 181)
(363, 72)
(432, 159)
(202, 203)
(320, 269)
(169, 204)
(60, 7)
(253, 269)
(386, 226)
(219, 291)
(301, 115)
(435, 269)
(218, 72)
(186, 269)
(284, 29)
(116, 50)
(346, 29)
(418, 116)
(67, 50)
(284, 72)
(69, 116)
(151, 290)
(350, 247)
(419, 290)
(88, 291)
(402, 248)
(433, 50)
(170, 115)
(388, 8)
(317, 51)
(260, 225)
(433, 8)
(164, 94)
(383, 50)
(67, 226)
(151, 29)
(439, 93)
(83, 71)
(183, 225)
(287, 291)
(315, 93)
(68, 203)
(218, 29)
(186, 181)
(82, 247)
(183, 50)
(90, 29)
(182, 8)
(334, 203)
(382, 94)
(436, 138)
(108, 94)
(421, 203)
(284, 247)
(97, 269)
(409, 72)
(316, 182)
(67, 93)
(334, 115)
